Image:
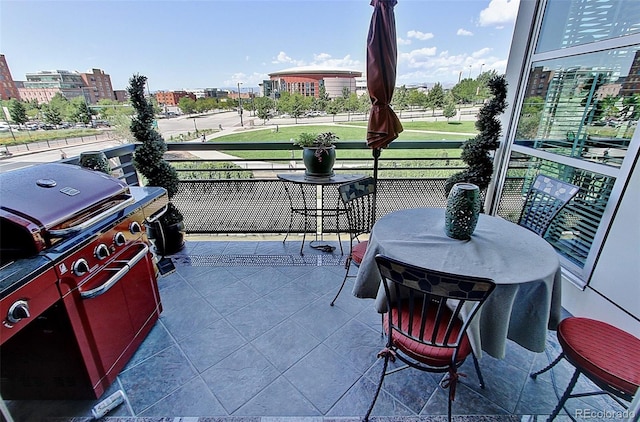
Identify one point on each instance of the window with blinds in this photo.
(577, 119)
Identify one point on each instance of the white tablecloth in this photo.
(525, 268)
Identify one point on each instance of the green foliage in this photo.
(435, 97)
(321, 141)
(400, 99)
(187, 105)
(449, 110)
(149, 157)
(324, 139)
(78, 111)
(465, 91)
(18, 112)
(264, 105)
(199, 170)
(52, 114)
(475, 152)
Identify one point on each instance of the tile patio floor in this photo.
(247, 330)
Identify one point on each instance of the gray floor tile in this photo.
(277, 399)
(231, 298)
(192, 399)
(320, 319)
(285, 344)
(266, 280)
(322, 376)
(156, 377)
(239, 377)
(208, 346)
(307, 359)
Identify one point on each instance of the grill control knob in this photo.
(80, 267)
(135, 228)
(19, 310)
(119, 239)
(101, 251)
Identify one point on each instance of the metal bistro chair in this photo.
(546, 197)
(358, 201)
(606, 355)
(428, 313)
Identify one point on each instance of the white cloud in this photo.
(422, 36)
(415, 58)
(325, 60)
(464, 32)
(247, 81)
(499, 12)
(320, 60)
(284, 58)
(402, 41)
(481, 53)
(424, 65)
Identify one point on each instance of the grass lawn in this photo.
(350, 132)
(25, 137)
(442, 126)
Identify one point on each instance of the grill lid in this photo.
(49, 200)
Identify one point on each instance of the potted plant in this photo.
(166, 233)
(319, 153)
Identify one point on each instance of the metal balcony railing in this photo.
(220, 193)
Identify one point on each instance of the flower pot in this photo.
(167, 239)
(463, 209)
(95, 160)
(319, 164)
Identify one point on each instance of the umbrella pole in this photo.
(376, 155)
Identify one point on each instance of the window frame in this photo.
(519, 69)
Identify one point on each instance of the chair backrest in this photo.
(358, 200)
(440, 305)
(546, 197)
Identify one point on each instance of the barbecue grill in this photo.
(78, 281)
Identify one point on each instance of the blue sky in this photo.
(216, 43)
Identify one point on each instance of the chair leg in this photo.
(475, 363)
(344, 280)
(565, 396)
(546, 368)
(375, 397)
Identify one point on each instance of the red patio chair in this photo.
(606, 355)
(357, 198)
(428, 314)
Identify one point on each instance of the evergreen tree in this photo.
(18, 112)
(475, 151)
(435, 97)
(149, 157)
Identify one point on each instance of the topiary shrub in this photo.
(149, 157)
(476, 151)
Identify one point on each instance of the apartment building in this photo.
(99, 84)
(8, 89)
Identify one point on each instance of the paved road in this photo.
(229, 121)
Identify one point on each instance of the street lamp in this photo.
(481, 66)
(240, 104)
(195, 127)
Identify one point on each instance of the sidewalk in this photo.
(40, 146)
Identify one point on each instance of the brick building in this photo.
(8, 89)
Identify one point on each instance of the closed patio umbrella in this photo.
(382, 57)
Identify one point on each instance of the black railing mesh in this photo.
(263, 206)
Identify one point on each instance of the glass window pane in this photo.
(584, 106)
(573, 230)
(567, 23)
